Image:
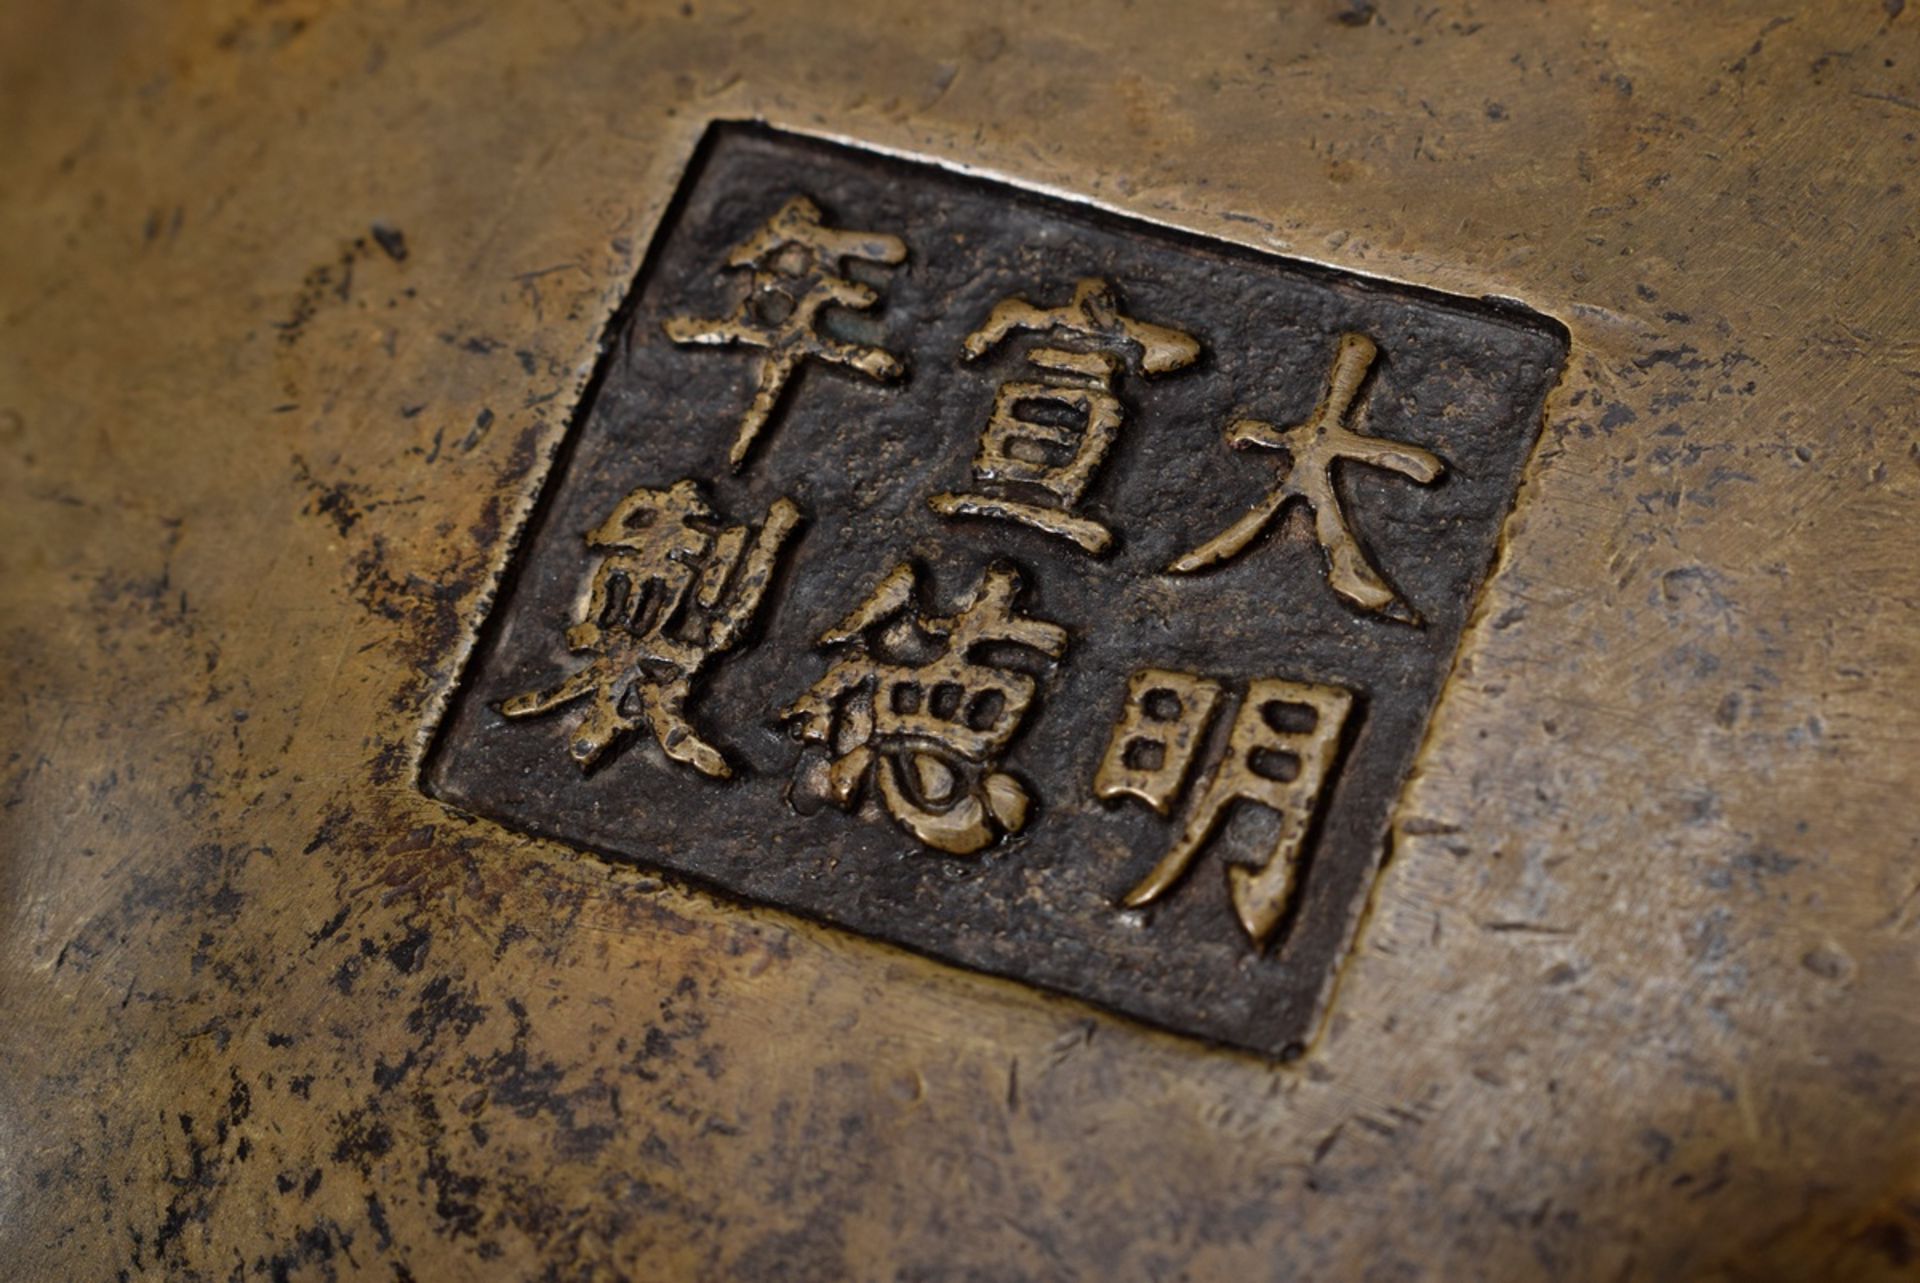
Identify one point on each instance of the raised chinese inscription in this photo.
(677, 588)
(930, 722)
(1047, 435)
(1279, 755)
(1313, 447)
(795, 264)
(898, 574)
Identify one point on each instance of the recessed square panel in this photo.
(1037, 589)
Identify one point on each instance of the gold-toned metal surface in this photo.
(296, 304)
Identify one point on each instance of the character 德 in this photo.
(918, 705)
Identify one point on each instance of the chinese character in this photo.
(1153, 745)
(676, 588)
(1279, 754)
(1314, 447)
(796, 264)
(920, 705)
(1048, 435)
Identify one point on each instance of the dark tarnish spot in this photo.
(332, 282)
(1753, 869)
(430, 608)
(1683, 357)
(525, 453)
(377, 1218)
(586, 1117)
(345, 975)
(583, 1144)
(482, 424)
(391, 240)
(332, 924)
(334, 502)
(814, 1251)
(442, 1007)
(311, 1248)
(656, 1048)
(197, 1182)
(329, 831)
(526, 1088)
(418, 838)
(386, 1077)
(360, 1141)
(1891, 1241)
(1617, 416)
(486, 531)
(408, 955)
(454, 1195)
(388, 764)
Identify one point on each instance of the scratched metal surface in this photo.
(1634, 997)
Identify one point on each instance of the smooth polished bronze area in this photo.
(679, 639)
